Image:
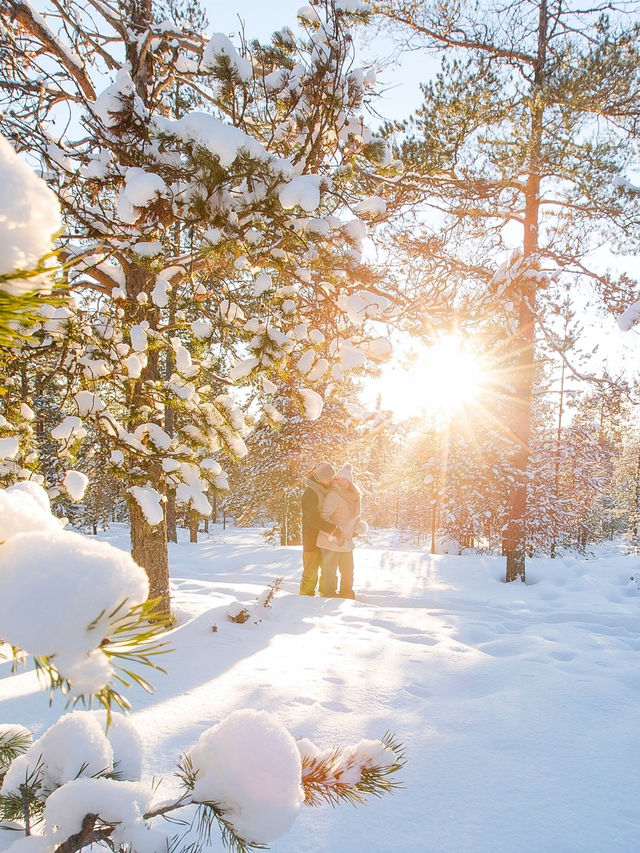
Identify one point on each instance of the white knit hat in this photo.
(346, 472)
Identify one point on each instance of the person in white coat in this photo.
(341, 507)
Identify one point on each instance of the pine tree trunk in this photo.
(172, 528)
(521, 430)
(148, 544)
(149, 550)
(169, 415)
(524, 338)
(636, 507)
(194, 521)
(283, 526)
(433, 529)
(556, 478)
(172, 531)
(141, 15)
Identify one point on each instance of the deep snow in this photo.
(518, 704)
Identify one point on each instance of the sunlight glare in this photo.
(440, 380)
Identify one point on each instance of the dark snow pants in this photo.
(311, 563)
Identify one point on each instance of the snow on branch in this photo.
(14, 740)
(625, 184)
(29, 218)
(220, 51)
(220, 773)
(150, 502)
(629, 317)
(80, 783)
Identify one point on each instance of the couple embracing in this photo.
(330, 520)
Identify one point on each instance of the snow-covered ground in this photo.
(519, 705)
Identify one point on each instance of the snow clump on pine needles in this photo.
(29, 217)
(250, 767)
(61, 592)
(76, 739)
(25, 507)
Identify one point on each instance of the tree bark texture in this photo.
(194, 521)
(172, 529)
(149, 550)
(148, 544)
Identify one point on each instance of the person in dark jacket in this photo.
(316, 488)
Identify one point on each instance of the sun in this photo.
(451, 375)
(440, 380)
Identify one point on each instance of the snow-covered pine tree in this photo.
(263, 184)
(564, 347)
(455, 481)
(521, 144)
(625, 492)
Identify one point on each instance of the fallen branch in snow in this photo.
(238, 612)
(265, 598)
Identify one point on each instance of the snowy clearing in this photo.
(518, 705)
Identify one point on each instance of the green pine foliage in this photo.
(324, 777)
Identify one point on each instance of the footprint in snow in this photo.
(563, 656)
(418, 690)
(421, 639)
(304, 700)
(335, 706)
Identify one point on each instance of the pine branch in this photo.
(210, 816)
(27, 804)
(133, 643)
(88, 835)
(23, 13)
(327, 777)
(12, 744)
(19, 312)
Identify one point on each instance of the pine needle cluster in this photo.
(132, 645)
(326, 778)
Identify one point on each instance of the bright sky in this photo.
(260, 18)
